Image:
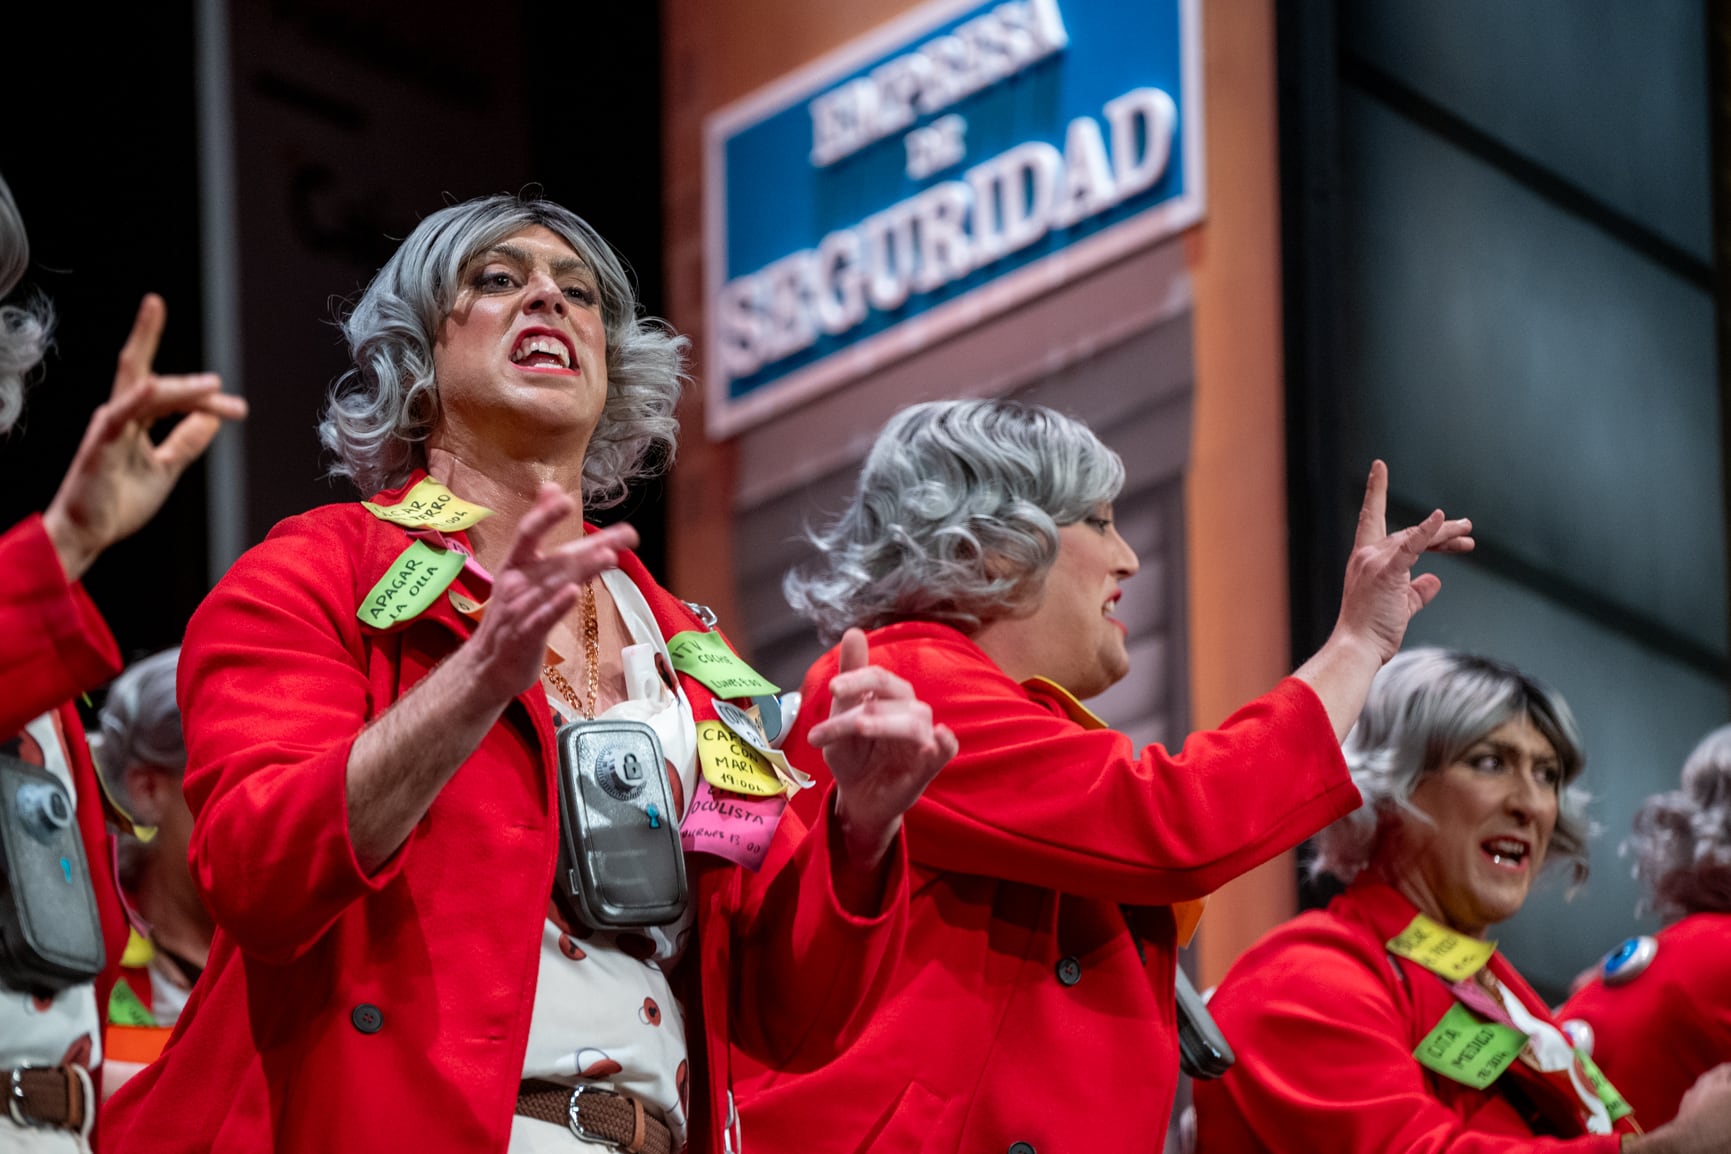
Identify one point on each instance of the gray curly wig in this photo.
(24, 327)
(140, 724)
(380, 412)
(1426, 708)
(1682, 839)
(955, 518)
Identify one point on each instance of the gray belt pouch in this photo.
(619, 847)
(50, 933)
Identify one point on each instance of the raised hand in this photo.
(1379, 600)
(398, 765)
(1381, 593)
(533, 590)
(119, 477)
(882, 747)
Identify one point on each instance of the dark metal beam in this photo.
(1580, 598)
(1719, 90)
(1319, 536)
(1558, 190)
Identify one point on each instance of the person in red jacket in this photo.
(1033, 1009)
(56, 646)
(1389, 1023)
(392, 708)
(1659, 1007)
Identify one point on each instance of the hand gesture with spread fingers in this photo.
(535, 588)
(120, 477)
(1382, 593)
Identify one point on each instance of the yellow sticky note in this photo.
(746, 725)
(1440, 950)
(138, 952)
(729, 763)
(429, 505)
(706, 657)
(415, 579)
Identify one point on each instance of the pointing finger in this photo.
(1453, 537)
(593, 553)
(855, 652)
(1417, 538)
(139, 351)
(182, 394)
(871, 681)
(621, 535)
(1373, 516)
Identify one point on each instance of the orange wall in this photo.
(719, 50)
(1236, 496)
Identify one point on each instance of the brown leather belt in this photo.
(595, 1115)
(45, 1096)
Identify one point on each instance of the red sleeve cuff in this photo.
(56, 643)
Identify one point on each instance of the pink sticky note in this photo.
(731, 825)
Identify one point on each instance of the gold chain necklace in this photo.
(591, 658)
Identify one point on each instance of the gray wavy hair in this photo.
(1682, 839)
(25, 326)
(140, 724)
(1426, 708)
(955, 517)
(380, 412)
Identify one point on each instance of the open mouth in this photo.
(540, 349)
(1507, 852)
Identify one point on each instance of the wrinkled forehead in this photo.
(530, 242)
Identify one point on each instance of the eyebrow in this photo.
(559, 266)
(1505, 748)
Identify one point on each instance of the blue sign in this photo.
(937, 172)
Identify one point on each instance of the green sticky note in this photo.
(418, 575)
(1466, 1050)
(124, 1008)
(1615, 1104)
(705, 656)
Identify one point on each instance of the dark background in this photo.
(102, 152)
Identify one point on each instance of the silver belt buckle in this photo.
(575, 1118)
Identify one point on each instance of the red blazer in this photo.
(1021, 1010)
(342, 1012)
(56, 647)
(1324, 1021)
(1670, 1024)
